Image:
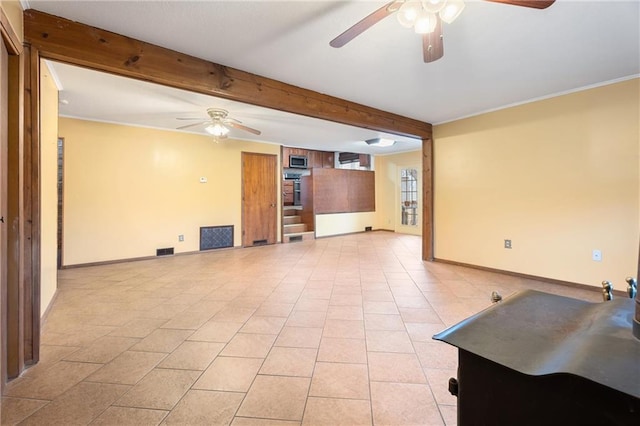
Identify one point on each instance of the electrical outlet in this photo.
(180, 237)
(507, 244)
(596, 255)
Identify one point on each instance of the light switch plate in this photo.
(596, 255)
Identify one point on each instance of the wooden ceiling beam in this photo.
(79, 44)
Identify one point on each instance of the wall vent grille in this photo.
(213, 237)
(164, 251)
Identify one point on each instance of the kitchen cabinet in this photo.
(287, 192)
(315, 159)
(328, 161)
(286, 152)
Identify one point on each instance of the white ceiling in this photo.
(495, 55)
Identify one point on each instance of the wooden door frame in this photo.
(60, 39)
(50, 37)
(20, 340)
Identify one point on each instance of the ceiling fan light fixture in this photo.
(217, 129)
(380, 142)
(425, 23)
(408, 13)
(451, 10)
(433, 6)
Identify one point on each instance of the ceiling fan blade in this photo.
(364, 24)
(535, 4)
(241, 127)
(433, 44)
(188, 118)
(192, 125)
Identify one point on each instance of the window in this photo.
(409, 196)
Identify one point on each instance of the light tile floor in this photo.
(327, 332)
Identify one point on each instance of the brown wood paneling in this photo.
(307, 200)
(80, 44)
(427, 199)
(330, 191)
(31, 297)
(343, 191)
(4, 200)
(361, 189)
(259, 198)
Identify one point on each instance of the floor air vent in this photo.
(213, 237)
(164, 251)
(259, 242)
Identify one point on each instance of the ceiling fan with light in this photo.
(426, 18)
(219, 124)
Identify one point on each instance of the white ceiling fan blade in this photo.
(192, 125)
(245, 128)
(188, 118)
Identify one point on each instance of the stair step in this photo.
(290, 220)
(294, 228)
(298, 236)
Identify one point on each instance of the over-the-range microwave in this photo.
(297, 161)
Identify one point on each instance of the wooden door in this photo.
(259, 198)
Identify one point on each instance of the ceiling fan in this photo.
(426, 18)
(219, 123)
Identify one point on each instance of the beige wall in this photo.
(388, 209)
(343, 223)
(48, 188)
(558, 177)
(13, 10)
(130, 190)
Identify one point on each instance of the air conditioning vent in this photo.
(213, 237)
(164, 251)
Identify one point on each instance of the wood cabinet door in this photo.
(259, 198)
(287, 192)
(328, 160)
(300, 151)
(286, 153)
(316, 159)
